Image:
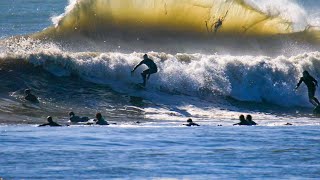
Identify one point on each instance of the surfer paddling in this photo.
(311, 84)
(146, 73)
(50, 123)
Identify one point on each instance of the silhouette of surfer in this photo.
(250, 121)
(76, 119)
(100, 120)
(50, 122)
(30, 97)
(219, 22)
(243, 121)
(191, 123)
(146, 73)
(311, 84)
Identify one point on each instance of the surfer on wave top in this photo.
(146, 73)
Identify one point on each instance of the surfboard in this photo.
(138, 86)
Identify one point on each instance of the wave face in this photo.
(127, 24)
(244, 17)
(244, 78)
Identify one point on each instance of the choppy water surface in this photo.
(149, 151)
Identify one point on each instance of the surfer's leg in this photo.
(316, 100)
(312, 99)
(144, 76)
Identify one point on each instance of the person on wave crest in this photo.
(311, 84)
(50, 123)
(146, 73)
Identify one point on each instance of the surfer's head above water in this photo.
(49, 119)
(145, 56)
(241, 118)
(98, 116)
(27, 91)
(71, 113)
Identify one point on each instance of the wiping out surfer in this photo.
(311, 84)
(219, 22)
(146, 73)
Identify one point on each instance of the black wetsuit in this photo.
(310, 83)
(76, 119)
(101, 122)
(252, 122)
(151, 65)
(50, 124)
(192, 124)
(152, 69)
(31, 98)
(217, 25)
(243, 123)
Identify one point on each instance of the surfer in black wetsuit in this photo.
(146, 73)
(100, 120)
(217, 24)
(311, 84)
(30, 97)
(250, 121)
(76, 119)
(50, 122)
(243, 121)
(191, 123)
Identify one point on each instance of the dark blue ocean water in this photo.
(162, 152)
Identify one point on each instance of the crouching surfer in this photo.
(146, 73)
